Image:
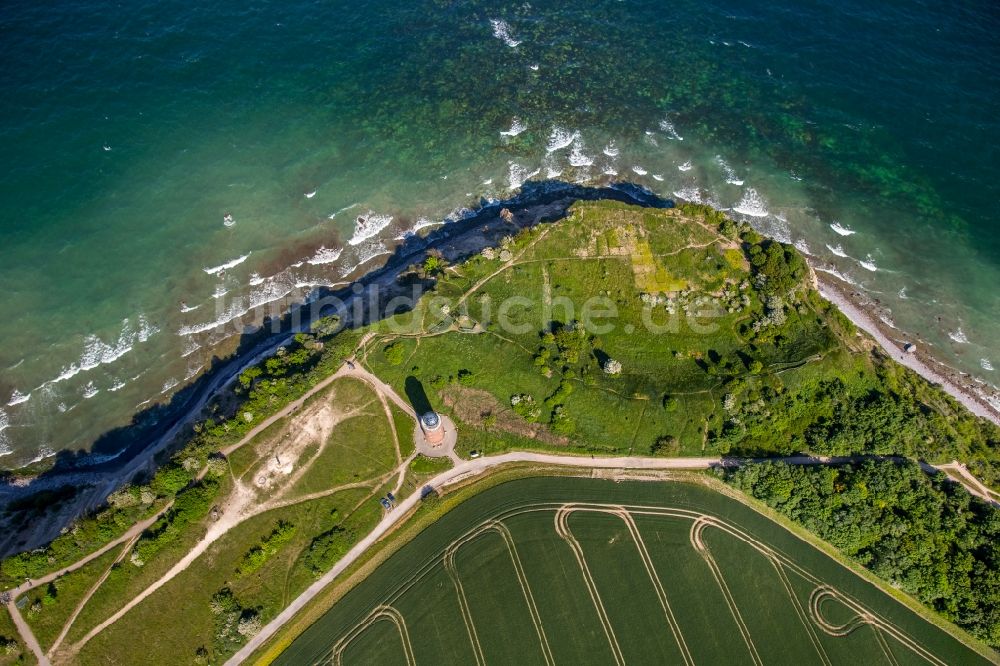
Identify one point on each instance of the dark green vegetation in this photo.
(766, 569)
(925, 534)
(724, 349)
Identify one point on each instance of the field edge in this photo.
(424, 515)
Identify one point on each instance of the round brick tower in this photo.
(430, 424)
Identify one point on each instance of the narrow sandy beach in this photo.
(832, 291)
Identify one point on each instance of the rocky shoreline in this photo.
(864, 314)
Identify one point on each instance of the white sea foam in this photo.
(192, 371)
(687, 166)
(145, 330)
(869, 264)
(651, 139)
(639, 170)
(228, 221)
(501, 30)
(516, 127)
(369, 225)
(902, 294)
(310, 195)
(190, 347)
(423, 223)
(17, 398)
(611, 150)
(325, 255)
(837, 274)
(692, 194)
(657, 176)
(752, 204)
(220, 290)
(560, 138)
(668, 128)
(169, 384)
(985, 363)
(840, 229)
(255, 279)
(189, 308)
(97, 352)
(728, 171)
(488, 181)
(4, 421)
(226, 266)
(365, 254)
(345, 208)
(837, 250)
(958, 336)
(577, 157)
(43, 453)
(802, 247)
(552, 172)
(517, 175)
(117, 386)
(90, 390)
(610, 170)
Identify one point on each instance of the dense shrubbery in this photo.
(924, 534)
(234, 623)
(886, 412)
(257, 556)
(190, 504)
(327, 548)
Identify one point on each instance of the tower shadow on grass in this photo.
(417, 396)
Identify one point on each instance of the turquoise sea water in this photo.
(865, 132)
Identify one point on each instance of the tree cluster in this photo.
(924, 534)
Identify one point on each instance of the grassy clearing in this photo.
(569, 619)
(13, 650)
(69, 591)
(267, 560)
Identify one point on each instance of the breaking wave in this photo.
(837, 250)
(17, 398)
(226, 266)
(369, 225)
(516, 127)
(560, 138)
(325, 256)
(842, 230)
(752, 204)
(517, 175)
(668, 128)
(728, 171)
(501, 30)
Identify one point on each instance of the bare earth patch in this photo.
(473, 405)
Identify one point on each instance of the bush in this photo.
(257, 556)
(395, 353)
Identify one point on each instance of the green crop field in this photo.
(572, 570)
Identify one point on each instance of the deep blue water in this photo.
(129, 131)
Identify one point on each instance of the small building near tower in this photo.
(433, 429)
